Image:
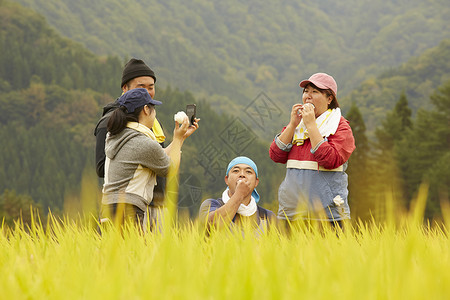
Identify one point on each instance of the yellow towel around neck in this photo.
(158, 131)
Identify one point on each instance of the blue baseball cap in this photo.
(136, 98)
(247, 161)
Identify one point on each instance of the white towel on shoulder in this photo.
(327, 123)
(244, 210)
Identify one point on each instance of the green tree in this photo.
(394, 126)
(425, 151)
(360, 170)
(389, 174)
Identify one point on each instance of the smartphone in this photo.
(191, 110)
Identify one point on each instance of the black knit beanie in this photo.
(136, 68)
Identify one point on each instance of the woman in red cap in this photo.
(315, 146)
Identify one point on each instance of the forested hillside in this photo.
(31, 49)
(52, 91)
(409, 158)
(49, 111)
(418, 78)
(227, 52)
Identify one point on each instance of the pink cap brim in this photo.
(322, 81)
(304, 83)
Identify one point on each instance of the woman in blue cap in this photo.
(240, 198)
(134, 157)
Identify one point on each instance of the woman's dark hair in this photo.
(328, 92)
(120, 117)
(333, 103)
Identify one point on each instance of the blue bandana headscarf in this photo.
(247, 161)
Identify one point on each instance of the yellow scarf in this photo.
(158, 131)
(142, 128)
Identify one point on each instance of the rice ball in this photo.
(180, 116)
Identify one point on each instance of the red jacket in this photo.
(330, 154)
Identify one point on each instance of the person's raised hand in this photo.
(308, 114)
(243, 188)
(191, 129)
(180, 131)
(296, 116)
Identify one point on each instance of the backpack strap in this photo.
(220, 201)
(262, 213)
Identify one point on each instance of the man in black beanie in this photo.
(135, 69)
(136, 74)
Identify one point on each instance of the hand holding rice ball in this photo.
(180, 116)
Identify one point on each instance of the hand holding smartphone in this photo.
(191, 110)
